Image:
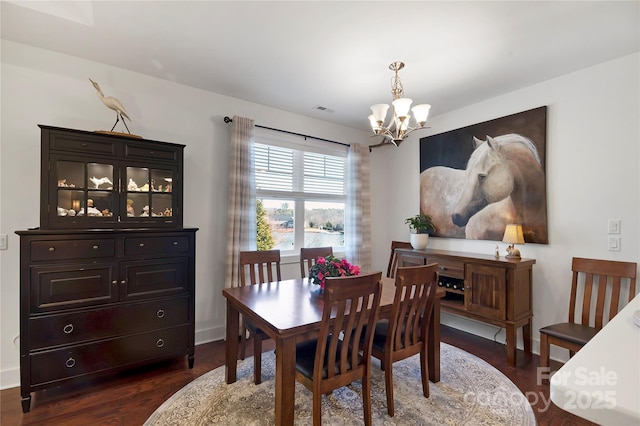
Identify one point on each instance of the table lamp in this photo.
(513, 235)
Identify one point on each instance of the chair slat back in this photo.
(350, 309)
(605, 279)
(308, 257)
(415, 294)
(259, 266)
(393, 258)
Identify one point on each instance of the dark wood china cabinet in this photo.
(107, 282)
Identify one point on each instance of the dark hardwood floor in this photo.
(130, 398)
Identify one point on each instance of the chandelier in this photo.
(398, 127)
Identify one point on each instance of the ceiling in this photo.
(296, 56)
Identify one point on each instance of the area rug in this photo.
(470, 392)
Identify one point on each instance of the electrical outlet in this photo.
(614, 243)
(4, 241)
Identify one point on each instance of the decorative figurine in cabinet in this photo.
(110, 247)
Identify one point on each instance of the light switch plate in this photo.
(4, 241)
(614, 243)
(614, 226)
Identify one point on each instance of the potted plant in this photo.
(331, 266)
(420, 226)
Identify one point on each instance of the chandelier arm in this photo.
(384, 141)
(386, 132)
(410, 130)
(390, 138)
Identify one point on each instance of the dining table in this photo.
(601, 382)
(290, 312)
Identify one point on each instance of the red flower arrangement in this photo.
(331, 266)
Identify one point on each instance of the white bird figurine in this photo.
(99, 181)
(114, 104)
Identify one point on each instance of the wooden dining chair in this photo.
(308, 257)
(257, 267)
(393, 258)
(340, 354)
(406, 333)
(600, 282)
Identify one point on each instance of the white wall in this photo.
(593, 158)
(43, 87)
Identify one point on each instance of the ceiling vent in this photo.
(322, 108)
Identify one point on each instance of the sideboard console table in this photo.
(484, 288)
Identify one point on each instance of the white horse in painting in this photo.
(503, 183)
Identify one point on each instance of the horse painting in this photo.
(503, 183)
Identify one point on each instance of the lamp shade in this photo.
(374, 124)
(421, 112)
(401, 106)
(513, 234)
(380, 111)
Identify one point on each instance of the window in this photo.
(301, 193)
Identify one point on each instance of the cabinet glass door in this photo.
(100, 196)
(84, 190)
(149, 193)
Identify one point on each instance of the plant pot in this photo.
(419, 241)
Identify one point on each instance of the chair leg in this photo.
(366, 397)
(317, 408)
(388, 382)
(243, 339)
(424, 370)
(544, 352)
(257, 358)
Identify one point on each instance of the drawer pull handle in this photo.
(70, 363)
(84, 145)
(114, 282)
(443, 268)
(141, 244)
(52, 249)
(122, 282)
(152, 153)
(160, 313)
(160, 343)
(468, 288)
(95, 247)
(68, 329)
(175, 243)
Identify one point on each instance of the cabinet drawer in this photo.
(150, 152)
(64, 329)
(448, 268)
(408, 260)
(71, 249)
(75, 285)
(81, 144)
(65, 363)
(156, 245)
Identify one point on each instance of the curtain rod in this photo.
(229, 120)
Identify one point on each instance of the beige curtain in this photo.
(358, 220)
(242, 196)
